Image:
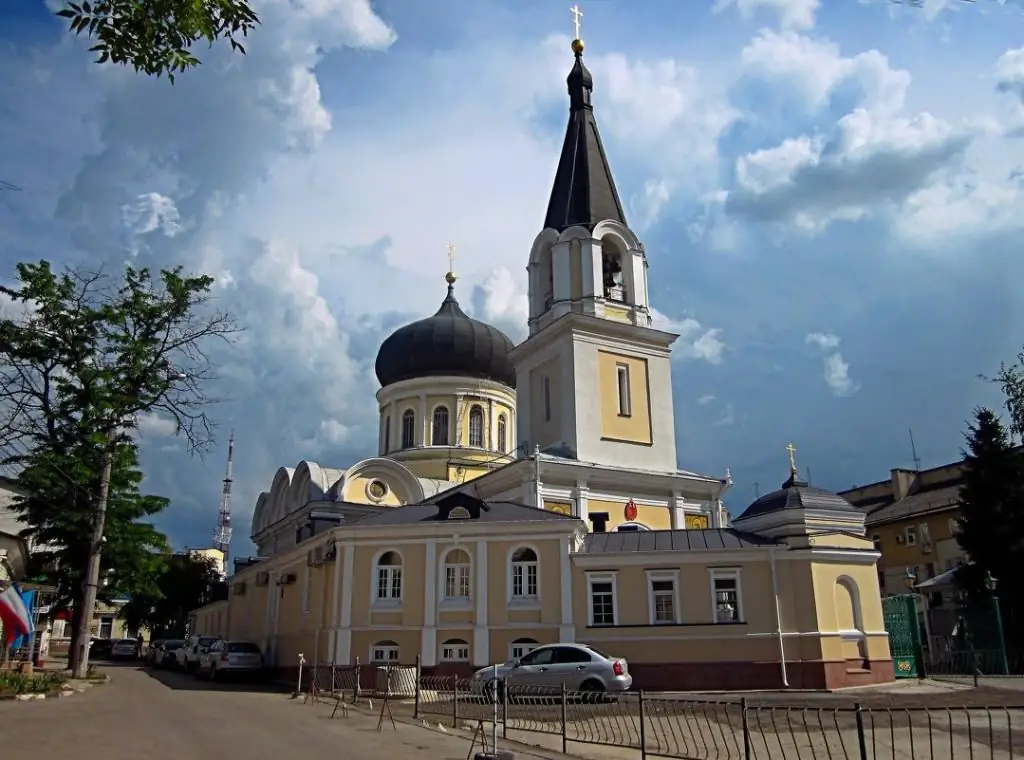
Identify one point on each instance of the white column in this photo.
(481, 633)
(332, 628)
(456, 419)
(491, 438)
(343, 648)
(676, 511)
(567, 630)
(583, 501)
(428, 636)
(424, 427)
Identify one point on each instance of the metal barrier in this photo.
(660, 725)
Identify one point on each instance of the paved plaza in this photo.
(170, 716)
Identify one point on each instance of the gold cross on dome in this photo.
(792, 457)
(577, 14)
(451, 257)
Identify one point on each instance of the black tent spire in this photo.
(584, 192)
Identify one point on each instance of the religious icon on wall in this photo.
(630, 511)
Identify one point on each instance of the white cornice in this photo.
(605, 332)
(446, 385)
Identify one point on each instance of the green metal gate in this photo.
(900, 613)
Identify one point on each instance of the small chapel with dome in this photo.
(530, 494)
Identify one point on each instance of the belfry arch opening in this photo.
(613, 260)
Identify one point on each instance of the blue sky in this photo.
(827, 191)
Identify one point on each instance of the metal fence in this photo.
(662, 725)
(975, 663)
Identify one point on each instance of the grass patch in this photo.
(12, 682)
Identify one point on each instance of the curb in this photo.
(68, 692)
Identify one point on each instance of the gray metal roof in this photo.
(923, 502)
(707, 540)
(491, 512)
(797, 494)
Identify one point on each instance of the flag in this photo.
(14, 613)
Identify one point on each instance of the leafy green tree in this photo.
(184, 582)
(83, 356)
(1011, 380)
(59, 509)
(156, 36)
(992, 521)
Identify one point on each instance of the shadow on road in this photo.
(179, 681)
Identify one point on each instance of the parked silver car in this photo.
(578, 667)
(226, 658)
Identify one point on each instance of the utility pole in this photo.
(92, 572)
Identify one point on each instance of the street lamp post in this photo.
(990, 584)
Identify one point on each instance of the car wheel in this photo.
(592, 691)
(494, 690)
(213, 673)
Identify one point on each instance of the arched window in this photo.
(456, 575)
(389, 578)
(455, 650)
(387, 434)
(502, 434)
(522, 647)
(631, 526)
(439, 435)
(384, 651)
(524, 574)
(476, 426)
(408, 429)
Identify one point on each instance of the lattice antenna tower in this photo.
(222, 535)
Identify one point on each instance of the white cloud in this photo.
(866, 163)
(836, 370)
(695, 341)
(816, 70)
(706, 399)
(796, 14)
(646, 207)
(153, 425)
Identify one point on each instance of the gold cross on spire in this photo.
(792, 457)
(577, 14)
(450, 277)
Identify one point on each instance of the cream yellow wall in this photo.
(546, 431)
(413, 585)
(355, 491)
(548, 584)
(408, 643)
(839, 607)
(616, 312)
(501, 400)
(902, 555)
(654, 517)
(636, 427)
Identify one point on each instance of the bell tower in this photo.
(593, 378)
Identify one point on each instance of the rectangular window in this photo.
(924, 534)
(601, 599)
(726, 598)
(546, 387)
(522, 648)
(455, 652)
(524, 580)
(387, 653)
(954, 526)
(661, 592)
(389, 584)
(622, 381)
(910, 533)
(456, 582)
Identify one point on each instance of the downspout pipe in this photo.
(778, 618)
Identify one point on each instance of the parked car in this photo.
(230, 658)
(152, 652)
(577, 667)
(124, 649)
(99, 649)
(166, 657)
(188, 655)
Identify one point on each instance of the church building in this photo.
(530, 494)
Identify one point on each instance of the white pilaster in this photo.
(457, 417)
(424, 427)
(343, 650)
(566, 630)
(332, 627)
(491, 437)
(677, 514)
(583, 501)
(481, 633)
(428, 636)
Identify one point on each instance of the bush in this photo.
(12, 682)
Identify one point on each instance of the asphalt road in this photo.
(169, 716)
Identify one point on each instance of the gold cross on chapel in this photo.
(451, 258)
(577, 14)
(792, 457)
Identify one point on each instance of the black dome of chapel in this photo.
(448, 343)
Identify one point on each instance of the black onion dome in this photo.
(448, 343)
(797, 494)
